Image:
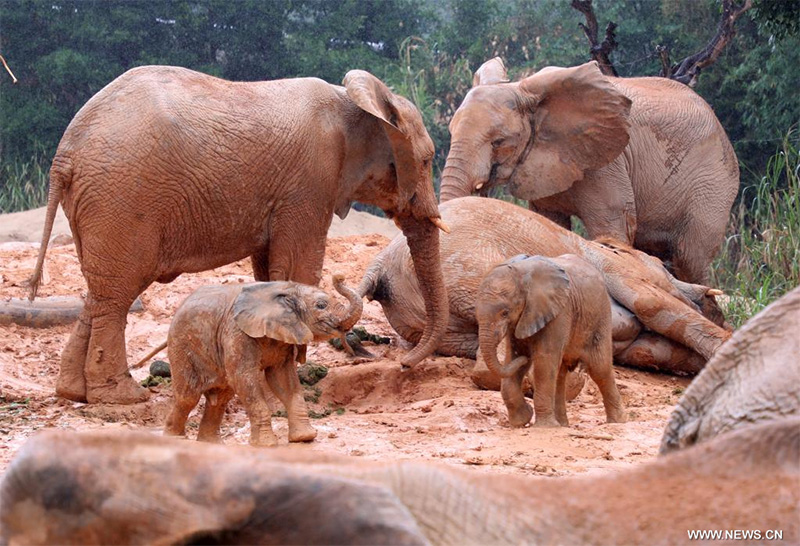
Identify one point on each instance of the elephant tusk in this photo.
(439, 223)
(479, 186)
(714, 292)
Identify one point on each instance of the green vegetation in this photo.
(760, 261)
(64, 51)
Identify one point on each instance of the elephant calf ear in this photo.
(579, 123)
(546, 287)
(271, 309)
(491, 72)
(402, 122)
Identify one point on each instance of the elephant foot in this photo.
(214, 438)
(263, 439)
(548, 421)
(302, 433)
(71, 386)
(520, 417)
(122, 390)
(615, 416)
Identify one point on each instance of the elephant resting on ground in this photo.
(669, 331)
(136, 488)
(168, 171)
(755, 377)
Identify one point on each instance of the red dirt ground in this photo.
(374, 409)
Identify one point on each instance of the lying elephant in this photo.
(136, 488)
(676, 336)
(755, 377)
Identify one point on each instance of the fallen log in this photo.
(47, 312)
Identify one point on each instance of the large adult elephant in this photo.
(641, 160)
(676, 337)
(112, 487)
(753, 378)
(167, 171)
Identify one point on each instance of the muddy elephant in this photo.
(556, 313)
(128, 487)
(167, 171)
(676, 336)
(641, 160)
(754, 377)
(243, 340)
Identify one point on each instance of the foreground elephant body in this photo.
(136, 488)
(243, 340)
(485, 232)
(641, 160)
(556, 313)
(167, 171)
(753, 378)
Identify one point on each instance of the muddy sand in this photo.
(366, 408)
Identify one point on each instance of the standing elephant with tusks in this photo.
(167, 171)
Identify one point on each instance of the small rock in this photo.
(61, 239)
(160, 368)
(311, 373)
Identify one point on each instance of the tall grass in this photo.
(23, 184)
(760, 261)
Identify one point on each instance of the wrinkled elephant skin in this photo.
(753, 378)
(486, 232)
(168, 171)
(126, 487)
(642, 160)
(557, 314)
(243, 340)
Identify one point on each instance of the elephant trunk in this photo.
(488, 342)
(347, 316)
(459, 176)
(422, 236)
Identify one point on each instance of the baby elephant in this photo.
(557, 314)
(243, 339)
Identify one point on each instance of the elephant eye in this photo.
(496, 143)
(504, 313)
(321, 304)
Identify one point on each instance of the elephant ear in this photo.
(491, 72)
(273, 310)
(546, 287)
(403, 125)
(579, 122)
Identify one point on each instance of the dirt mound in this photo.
(362, 407)
(27, 226)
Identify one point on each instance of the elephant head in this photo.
(539, 135)
(407, 196)
(295, 313)
(518, 298)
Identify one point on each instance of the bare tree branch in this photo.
(688, 70)
(600, 52)
(663, 54)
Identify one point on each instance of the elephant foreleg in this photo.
(284, 383)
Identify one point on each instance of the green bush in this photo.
(760, 261)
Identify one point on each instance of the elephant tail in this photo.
(60, 177)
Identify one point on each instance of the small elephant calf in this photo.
(556, 313)
(243, 339)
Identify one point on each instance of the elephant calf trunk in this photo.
(352, 314)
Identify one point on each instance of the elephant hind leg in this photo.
(561, 397)
(107, 377)
(182, 406)
(654, 352)
(599, 366)
(216, 402)
(71, 383)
